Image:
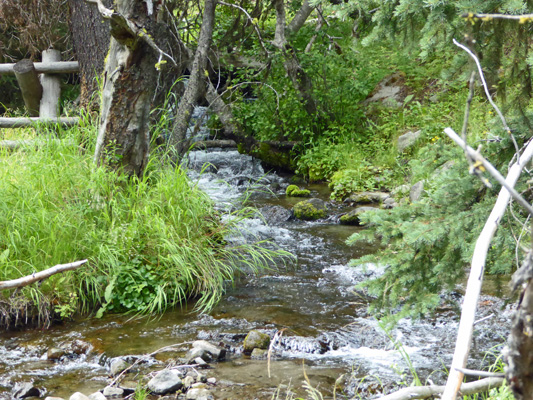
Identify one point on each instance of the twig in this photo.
(465, 331)
(483, 319)
(489, 97)
(467, 112)
(481, 374)
(39, 276)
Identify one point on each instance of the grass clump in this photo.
(152, 242)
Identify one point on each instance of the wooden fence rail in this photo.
(40, 93)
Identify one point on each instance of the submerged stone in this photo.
(275, 214)
(55, 353)
(259, 354)
(310, 210)
(256, 340)
(353, 217)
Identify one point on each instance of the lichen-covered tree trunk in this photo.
(129, 82)
(196, 83)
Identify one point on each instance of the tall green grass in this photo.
(152, 242)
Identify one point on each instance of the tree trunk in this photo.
(90, 37)
(196, 84)
(129, 84)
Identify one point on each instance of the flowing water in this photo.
(326, 330)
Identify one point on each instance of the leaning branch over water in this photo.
(39, 276)
(424, 392)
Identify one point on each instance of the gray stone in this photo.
(198, 352)
(389, 203)
(117, 365)
(22, 390)
(367, 197)
(111, 391)
(416, 191)
(199, 394)
(216, 352)
(188, 381)
(275, 214)
(390, 91)
(256, 340)
(97, 396)
(212, 380)
(166, 381)
(354, 217)
(401, 191)
(407, 140)
(55, 353)
(78, 396)
(259, 354)
(200, 362)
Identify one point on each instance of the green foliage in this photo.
(152, 243)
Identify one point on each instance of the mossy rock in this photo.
(310, 210)
(256, 340)
(295, 191)
(353, 217)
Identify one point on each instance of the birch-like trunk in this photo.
(129, 82)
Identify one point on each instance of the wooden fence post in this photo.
(29, 84)
(51, 87)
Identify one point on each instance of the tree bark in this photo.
(196, 84)
(90, 37)
(129, 84)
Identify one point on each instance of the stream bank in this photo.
(325, 322)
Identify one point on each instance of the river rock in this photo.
(97, 396)
(353, 217)
(310, 210)
(197, 352)
(416, 191)
(407, 140)
(55, 353)
(78, 396)
(216, 352)
(166, 381)
(367, 197)
(212, 380)
(53, 398)
(22, 390)
(259, 354)
(275, 214)
(111, 391)
(199, 394)
(117, 365)
(188, 381)
(389, 203)
(256, 340)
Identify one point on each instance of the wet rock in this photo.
(197, 352)
(256, 340)
(200, 362)
(353, 217)
(275, 214)
(111, 391)
(295, 191)
(416, 191)
(216, 352)
(166, 381)
(78, 396)
(117, 365)
(407, 140)
(55, 353)
(259, 354)
(97, 396)
(199, 394)
(367, 197)
(310, 210)
(22, 390)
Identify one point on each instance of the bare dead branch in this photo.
(522, 19)
(41, 275)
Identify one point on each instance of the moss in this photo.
(274, 157)
(309, 210)
(290, 189)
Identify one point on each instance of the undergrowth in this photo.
(152, 243)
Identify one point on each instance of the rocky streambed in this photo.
(317, 324)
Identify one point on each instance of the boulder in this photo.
(416, 191)
(310, 210)
(216, 352)
(188, 381)
(78, 396)
(389, 203)
(55, 353)
(353, 217)
(259, 354)
(275, 214)
(407, 140)
(197, 352)
(166, 381)
(111, 391)
(367, 197)
(256, 340)
(117, 365)
(22, 390)
(199, 394)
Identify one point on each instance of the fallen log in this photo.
(39, 276)
(424, 392)
(35, 121)
(209, 144)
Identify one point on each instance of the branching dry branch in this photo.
(41, 275)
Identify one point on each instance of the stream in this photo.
(327, 331)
